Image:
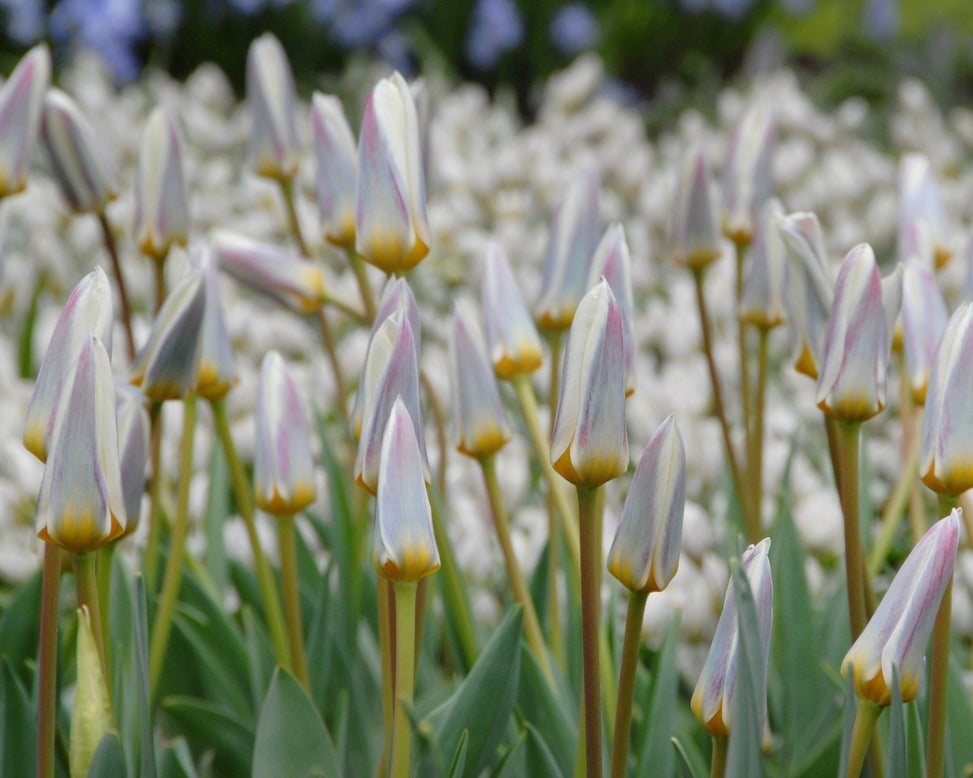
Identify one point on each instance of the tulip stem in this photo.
(287, 539)
(532, 626)
(439, 421)
(119, 280)
(364, 285)
(861, 735)
(151, 555)
(740, 254)
(405, 619)
(47, 661)
(895, 508)
(849, 434)
(105, 555)
(160, 282)
(755, 452)
(626, 682)
(590, 610)
(287, 190)
(327, 338)
(346, 308)
(86, 580)
(386, 628)
(241, 489)
(717, 766)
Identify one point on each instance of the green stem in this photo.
(755, 452)
(626, 682)
(386, 618)
(105, 556)
(151, 555)
(327, 338)
(861, 736)
(740, 254)
(160, 282)
(287, 190)
(532, 626)
(86, 580)
(241, 489)
(439, 421)
(405, 619)
(47, 661)
(119, 281)
(287, 538)
(717, 766)
(346, 308)
(364, 285)
(590, 619)
(177, 549)
(895, 508)
(849, 440)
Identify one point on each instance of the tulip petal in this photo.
(515, 346)
(21, 100)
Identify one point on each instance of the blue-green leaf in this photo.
(657, 756)
(746, 735)
(895, 755)
(109, 760)
(689, 766)
(459, 758)
(141, 646)
(211, 727)
(18, 725)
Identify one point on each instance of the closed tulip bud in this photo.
(515, 346)
(21, 99)
(405, 544)
(274, 149)
(589, 445)
(88, 311)
(762, 302)
(161, 215)
(216, 373)
(897, 634)
(134, 431)
(573, 238)
(281, 275)
(923, 226)
(695, 237)
(392, 229)
(645, 553)
(713, 697)
(851, 385)
(81, 504)
(85, 178)
(748, 173)
(482, 426)
(613, 260)
(924, 318)
(283, 469)
(946, 441)
(337, 169)
(91, 717)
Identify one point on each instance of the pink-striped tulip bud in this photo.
(645, 553)
(133, 449)
(337, 169)
(589, 445)
(283, 469)
(851, 386)
(713, 697)
(923, 226)
(21, 99)
(748, 173)
(88, 311)
(161, 216)
(391, 226)
(81, 504)
(167, 365)
(946, 442)
(405, 544)
(924, 318)
(810, 287)
(281, 275)
(573, 237)
(613, 261)
(85, 177)
(694, 236)
(274, 149)
(398, 378)
(898, 632)
(216, 372)
(762, 302)
(515, 346)
(482, 426)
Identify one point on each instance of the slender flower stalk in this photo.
(849, 441)
(85, 565)
(866, 716)
(591, 557)
(47, 661)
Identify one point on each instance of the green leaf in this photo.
(746, 735)
(18, 725)
(550, 712)
(176, 761)
(689, 766)
(19, 627)
(895, 754)
(541, 762)
(291, 738)
(847, 721)
(915, 750)
(657, 757)
(109, 760)
(459, 758)
(141, 648)
(214, 727)
(959, 719)
(511, 764)
(217, 509)
(261, 656)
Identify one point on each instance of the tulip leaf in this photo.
(657, 756)
(260, 654)
(19, 626)
(959, 720)
(915, 749)
(459, 758)
(18, 725)
(895, 754)
(689, 766)
(217, 509)
(214, 727)
(141, 651)
(176, 761)
(291, 737)
(847, 721)
(547, 710)
(744, 749)
(511, 764)
(109, 760)
(540, 758)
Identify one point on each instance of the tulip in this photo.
(391, 227)
(85, 178)
(215, 373)
(283, 469)
(613, 260)
(515, 346)
(923, 225)
(337, 169)
(762, 302)
(133, 449)
(589, 445)
(274, 149)
(695, 237)
(924, 318)
(898, 632)
(161, 200)
(572, 240)
(88, 311)
(21, 99)
(81, 505)
(748, 178)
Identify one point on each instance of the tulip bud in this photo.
(274, 150)
(283, 469)
(216, 373)
(337, 169)
(161, 200)
(405, 544)
(572, 240)
(392, 229)
(923, 226)
(645, 553)
(713, 697)
(946, 442)
(695, 234)
(748, 174)
(283, 276)
(134, 431)
(81, 504)
(85, 178)
(924, 318)
(897, 634)
(589, 445)
(762, 302)
(515, 346)
(613, 261)
(87, 311)
(482, 426)
(21, 99)
(91, 717)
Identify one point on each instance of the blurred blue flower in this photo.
(575, 29)
(109, 27)
(25, 20)
(496, 27)
(881, 18)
